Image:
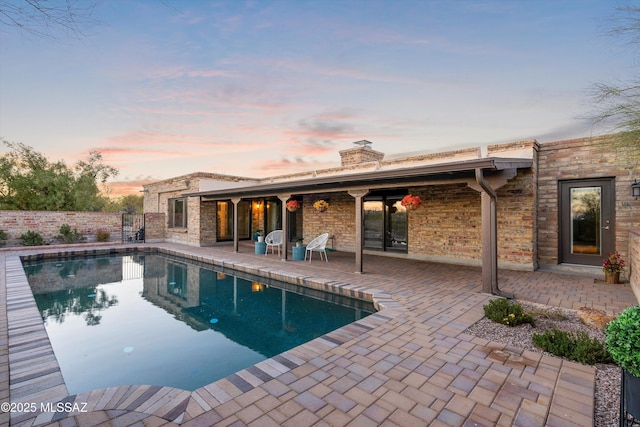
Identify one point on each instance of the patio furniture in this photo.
(273, 240)
(318, 244)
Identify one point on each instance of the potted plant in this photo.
(622, 338)
(612, 267)
(321, 205)
(411, 202)
(299, 241)
(293, 205)
(258, 236)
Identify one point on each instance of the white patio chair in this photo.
(273, 240)
(318, 244)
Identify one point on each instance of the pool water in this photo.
(160, 320)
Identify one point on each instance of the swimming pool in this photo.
(163, 320)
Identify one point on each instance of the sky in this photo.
(263, 88)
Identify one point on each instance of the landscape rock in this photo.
(592, 317)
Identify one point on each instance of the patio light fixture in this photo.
(635, 189)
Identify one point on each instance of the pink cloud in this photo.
(284, 166)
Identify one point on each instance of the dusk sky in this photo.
(262, 88)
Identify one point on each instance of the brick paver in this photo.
(409, 364)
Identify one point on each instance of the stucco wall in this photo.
(598, 157)
(48, 223)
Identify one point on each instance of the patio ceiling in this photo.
(432, 173)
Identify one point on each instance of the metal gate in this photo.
(132, 228)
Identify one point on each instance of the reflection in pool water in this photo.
(160, 320)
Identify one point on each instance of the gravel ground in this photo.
(607, 396)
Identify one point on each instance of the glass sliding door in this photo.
(224, 226)
(374, 224)
(396, 225)
(385, 224)
(273, 216)
(244, 219)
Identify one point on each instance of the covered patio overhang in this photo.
(484, 175)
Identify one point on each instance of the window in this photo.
(178, 213)
(177, 280)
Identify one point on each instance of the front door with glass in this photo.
(586, 221)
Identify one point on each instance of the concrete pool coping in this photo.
(409, 363)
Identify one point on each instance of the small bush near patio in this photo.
(32, 238)
(102, 235)
(507, 312)
(3, 238)
(578, 347)
(67, 235)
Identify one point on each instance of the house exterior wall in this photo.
(208, 221)
(154, 227)
(447, 227)
(338, 220)
(633, 266)
(201, 216)
(586, 158)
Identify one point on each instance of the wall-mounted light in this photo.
(257, 205)
(635, 189)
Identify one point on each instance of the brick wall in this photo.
(633, 264)
(597, 157)
(47, 223)
(358, 155)
(154, 227)
(447, 226)
(156, 200)
(338, 220)
(208, 221)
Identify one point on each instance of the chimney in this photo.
(361, 153)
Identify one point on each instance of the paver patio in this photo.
(409, 364)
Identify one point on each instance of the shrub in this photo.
(623, 340)
(579, 346)
(67, 235)
(3, 238)
(32, 238)
(506, 312)
(102, 235)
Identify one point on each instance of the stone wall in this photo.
(633, 264)
(597, 157)
(48, 223)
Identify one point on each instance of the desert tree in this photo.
(29, 181)
(46, 17)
